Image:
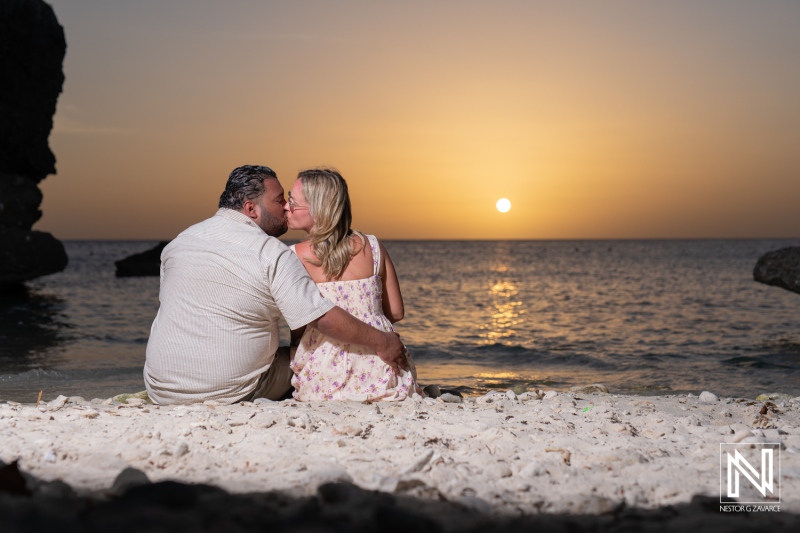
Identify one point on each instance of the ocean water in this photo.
(641, 317)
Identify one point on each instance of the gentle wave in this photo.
(39, 374)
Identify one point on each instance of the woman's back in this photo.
(359, 267)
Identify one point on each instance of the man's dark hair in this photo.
(245, 183)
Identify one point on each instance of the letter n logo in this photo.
(748, 471)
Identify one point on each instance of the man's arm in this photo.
(343, 326)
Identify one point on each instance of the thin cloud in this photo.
(66, 123)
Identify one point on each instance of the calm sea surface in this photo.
(643, 317)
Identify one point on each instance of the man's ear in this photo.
(249, 208)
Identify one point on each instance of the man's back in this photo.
(224, 284)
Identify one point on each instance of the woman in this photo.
(355, 272)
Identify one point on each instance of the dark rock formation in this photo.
(32, 49)
(29, 504)
(780, 268)
(147, 263)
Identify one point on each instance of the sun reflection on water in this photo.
(507, 310)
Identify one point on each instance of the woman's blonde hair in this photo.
(329, 206)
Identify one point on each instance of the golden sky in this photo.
(597, 119)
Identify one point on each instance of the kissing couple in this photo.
(227, 280)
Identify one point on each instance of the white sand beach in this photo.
(553, 452)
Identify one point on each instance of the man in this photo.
(224, 284)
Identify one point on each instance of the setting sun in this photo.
(503, 205)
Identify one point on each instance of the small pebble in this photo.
(708, 397)
(450, 398)
(181, 449)
(57, 404)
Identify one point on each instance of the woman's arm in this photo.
(393, 306)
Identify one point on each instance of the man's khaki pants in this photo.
(276, 382)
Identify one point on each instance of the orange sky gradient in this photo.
(613, 119)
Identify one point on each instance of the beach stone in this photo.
(432, 391)
(535, 394)
(181, 449)
(303, 422)
(533, 469)
(334, 474)
(774, 396)
(89, 413)
(220, 424)
(134, 402)
(127, 479)
(58, 403)
(596, 388)
(50, 490)
(450, 398)
(490, 397)
(419, 464)
(348, 430)
(475, 504)
(708, 397)
(780, 268)
(511, 395)
(123, 398)
(549, 395)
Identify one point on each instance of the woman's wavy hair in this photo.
(329, 206)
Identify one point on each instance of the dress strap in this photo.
(376, 254)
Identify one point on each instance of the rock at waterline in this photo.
(780, 268)
(32, 48)
(147, 263)
(26, 255)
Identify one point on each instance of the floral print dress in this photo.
(327, 369)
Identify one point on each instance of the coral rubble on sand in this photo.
(532, 453)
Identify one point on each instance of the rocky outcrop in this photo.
(780, 268)
(147, 263)
(32, 49)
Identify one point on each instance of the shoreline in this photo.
(557, 453)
